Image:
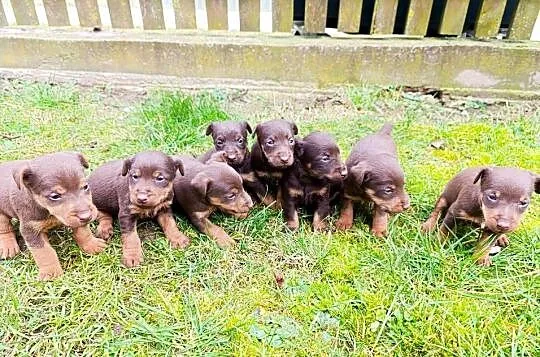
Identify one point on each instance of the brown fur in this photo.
(231, 138)
(136, 188)
(42, 194)
(209, 187)
(375, 175)
(493, 197)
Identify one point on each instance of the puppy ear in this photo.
(299, 147)
(83, 160)
(210, 129)
(218, 156)
(200, 183)
(386, 128)
(179, 165)
(294, 128)
(537, 184)
(358, 173)
(256, 131)
(482, 175)
(127, 166)
(18, 176)
(246, 127)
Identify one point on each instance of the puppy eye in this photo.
(388, 190)
(270, 142)
(160, 179)
(326, 158)
(86, 188)
(291, 141)
(240, 141)
(231, 196)
(492, 197)
(55, 196)
(135, 177)
(219, 143)
(523, 204)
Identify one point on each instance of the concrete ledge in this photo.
(464, 65)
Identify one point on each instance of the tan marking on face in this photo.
(66, 211)
(392, 205)
(158, 198)
(59, 189)
(491, 215)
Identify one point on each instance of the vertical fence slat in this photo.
(88, 13)
(249, 15)
(56, 12)
(3, 20)
(384, 17)
(216, 11)
(25, 12)
(120, 12)
(524, 19)
(489, 20)
(315, 16)
(184, 12)
(454, 17)
(349, 15)
(418, 17)
(152, 14)
(282, 15)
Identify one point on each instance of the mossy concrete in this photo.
(459, 64)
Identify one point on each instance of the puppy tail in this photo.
(386, 129)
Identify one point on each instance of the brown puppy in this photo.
(230, 137)
(44, 193)
(138, 187)
(209, 187)
(271, 155)
(493, 197)
(376, 176)
(315, 177)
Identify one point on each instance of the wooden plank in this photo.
(184, 12)
(315, 16)
(418, 17)
(25, 12)
(249, 15)
(216, 11)
(524, 19)
(120, 14)
(152, 14)
(56, 12)
(282, 15)
(454, 17)
(88, 13)
(349, 15)
(3, 20)
(489, 20)
(384, 17)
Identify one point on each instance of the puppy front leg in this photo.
(379, 226)
(481, 250)
(321, 213)
(44, 255)
(173, 234)
(430, 224)
(346, 215)
(131, 243)
(261, 191)
(105, 226)
(87, 242)
(290, 213)
(8, 244)
(448, 224)
(203, 224)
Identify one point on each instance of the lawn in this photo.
(342, 293)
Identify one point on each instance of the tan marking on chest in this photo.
(45, 225)
(269, 174)
(249, 177)
(149, 212)
(321, 192)
(465, 216)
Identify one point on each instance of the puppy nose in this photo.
(406, 203)
(503, 225)
(343, 171)
(283, 156)
(142, 198)
(85, 216)
(231, 156)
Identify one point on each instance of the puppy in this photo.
(231, 138)
(271, 155)
(135, 188)
(493, 197)
(374, 176)
(44, 193)
(209, 187)
(315, 177)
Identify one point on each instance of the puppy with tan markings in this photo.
(271, 155)
(314, 179)
(208, 187)
(375, 175)
(231, 138)
(132, 189)
(44, 193)
(493, 197)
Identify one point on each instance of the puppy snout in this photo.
(284, 156)
(142, 198)
(231, 155)
(503, 225)
(85, 216)
(406, 203)
(343, 172)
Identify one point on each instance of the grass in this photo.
(343, 293)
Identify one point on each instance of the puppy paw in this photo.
(104, 231)
(320, 226)
(50, 272)
(179, 241)
(225, 242)
(484, 261)
(9, 248)
(502, 241)
(379, 233)
(94, 246)
(132, 257)
(428, 226)
(343, 224)
(293, 225)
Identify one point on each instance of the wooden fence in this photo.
(272, 15)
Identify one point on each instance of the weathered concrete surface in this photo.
(322, 62)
